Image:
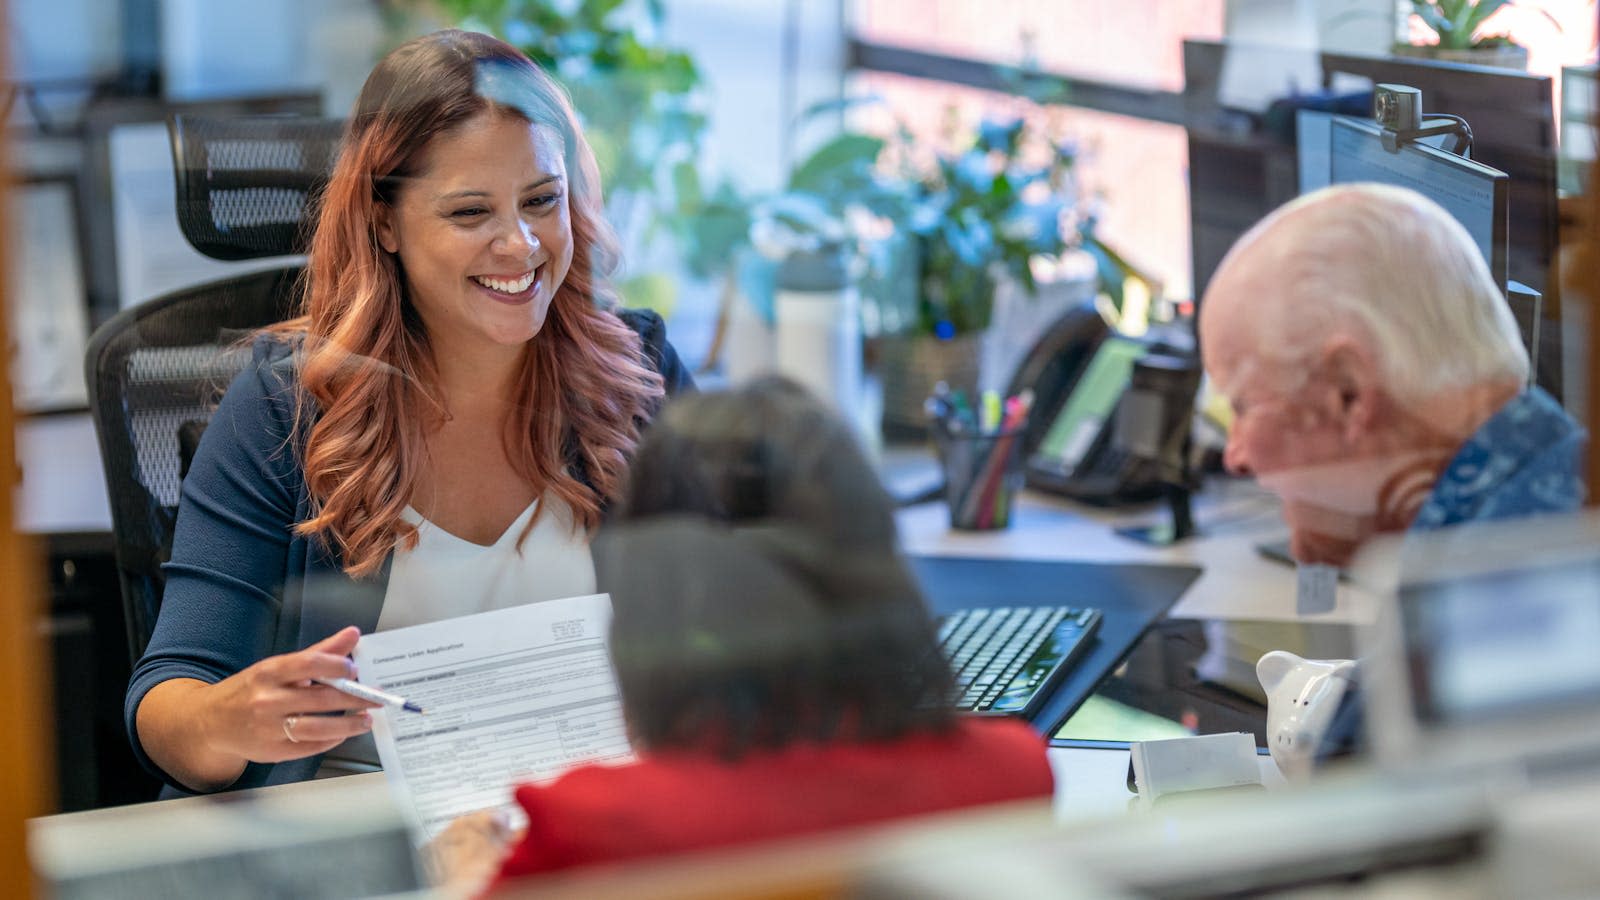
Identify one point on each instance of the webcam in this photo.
(1397, 107)
(1398, 111)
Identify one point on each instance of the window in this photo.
(1131, 42)
(1133, 166)
(1132, 170)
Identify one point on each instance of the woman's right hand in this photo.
(265, 713)
(205, 734)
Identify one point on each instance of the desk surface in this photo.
(1236, 582)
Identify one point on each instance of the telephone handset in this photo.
(1053, 367)
(1080, 372)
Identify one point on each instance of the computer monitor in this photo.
(1242, 163)
(1512, 115)
(1472, 193)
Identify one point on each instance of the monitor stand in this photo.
(1179, 526)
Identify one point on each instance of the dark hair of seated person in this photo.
(759, 597)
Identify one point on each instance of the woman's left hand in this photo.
(466, 856)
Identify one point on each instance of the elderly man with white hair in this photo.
(1377, 377)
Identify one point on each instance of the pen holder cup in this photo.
(983, 473)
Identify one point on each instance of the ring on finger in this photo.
(288, 728)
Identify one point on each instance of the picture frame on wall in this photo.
(49, 300)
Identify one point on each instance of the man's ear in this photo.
(1348, 374)
(383, 223)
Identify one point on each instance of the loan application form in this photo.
(511, 695)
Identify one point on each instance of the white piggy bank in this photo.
(1302, 695)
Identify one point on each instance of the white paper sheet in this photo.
(512, 695)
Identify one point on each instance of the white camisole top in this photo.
(445, 576)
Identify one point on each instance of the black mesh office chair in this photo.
(156, 370)
(244, 184)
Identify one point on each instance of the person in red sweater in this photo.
(778, 669)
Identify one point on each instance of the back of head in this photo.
(759, 597)
(768, 453)
(1390, 265)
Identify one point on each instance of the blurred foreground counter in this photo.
(1356, 834)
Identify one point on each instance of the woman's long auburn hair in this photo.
(367, 377)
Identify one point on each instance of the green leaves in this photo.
(650, 290)
(847, 158)
(1476, 13)
(973, 218)
(1434, 18)
(1457, 22)
(836, 105)
(1004, 137)
(710, 229)
(637, 99)
(1110, 267)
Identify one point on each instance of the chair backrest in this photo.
(246, 184)
(246, 188)
(155, 373)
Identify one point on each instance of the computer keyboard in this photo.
(1006, 659)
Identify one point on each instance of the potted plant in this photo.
(981, 217)
(835, 202)
(934, 236)
(1462, 36)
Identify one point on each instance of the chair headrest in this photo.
(247, 185)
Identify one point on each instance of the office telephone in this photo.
(1075, 445)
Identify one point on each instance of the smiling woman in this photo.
(485, 217)
(437, 434)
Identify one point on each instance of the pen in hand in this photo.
(370, 694)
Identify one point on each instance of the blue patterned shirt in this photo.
(1524, 461)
